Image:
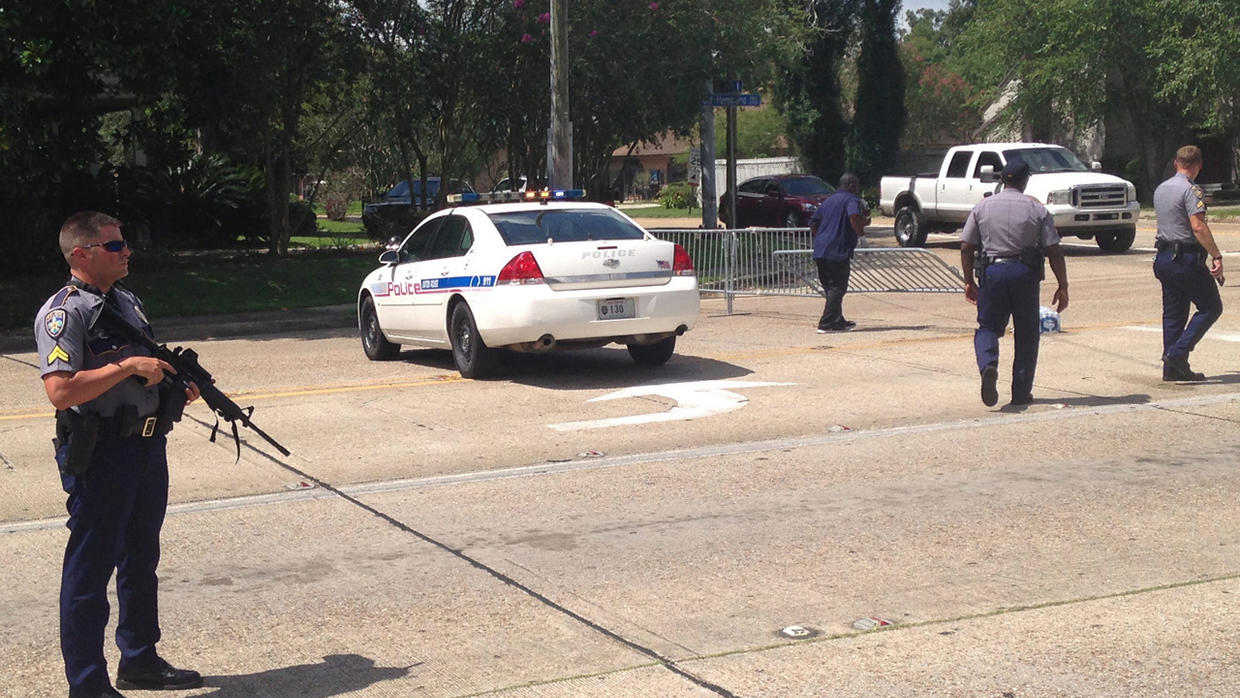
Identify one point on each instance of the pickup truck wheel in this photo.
(1116, 242)
(376, 346)
(910, 227)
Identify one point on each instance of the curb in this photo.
(198, 328)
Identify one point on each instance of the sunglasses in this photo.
(110, 245)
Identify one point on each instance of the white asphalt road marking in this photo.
(659, 457)
(1225, 336)
(693, 399)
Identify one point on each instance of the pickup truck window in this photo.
(959, 166)
(1048, 159)
(988, 157)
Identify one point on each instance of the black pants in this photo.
(834, 278)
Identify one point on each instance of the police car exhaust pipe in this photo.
(542, 344)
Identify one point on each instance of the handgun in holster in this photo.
(980, 261)
(1035, 259)
(76, 434)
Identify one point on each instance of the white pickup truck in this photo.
(1085, 202)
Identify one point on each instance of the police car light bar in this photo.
(497, 197)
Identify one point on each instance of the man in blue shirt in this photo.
(838, 223)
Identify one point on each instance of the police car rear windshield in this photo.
(563, 225)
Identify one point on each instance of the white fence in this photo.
(779, 261)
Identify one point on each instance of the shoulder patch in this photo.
(54, 323)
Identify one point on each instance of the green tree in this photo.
(878, 120)
(808, 90)
(941, 105)
(1066, 68)
(1197, 60)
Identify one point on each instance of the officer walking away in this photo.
(838, 223)
(1009, 235)
(110, 447)
(1183, 241)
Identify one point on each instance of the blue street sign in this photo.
(736, 100)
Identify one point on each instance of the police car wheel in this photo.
(791, 220)
(655, 354)
(473, 358)
(376, 346)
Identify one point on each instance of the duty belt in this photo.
(1005, 259)
(1178, 247)
(119, 427)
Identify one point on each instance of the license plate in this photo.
(616, 309)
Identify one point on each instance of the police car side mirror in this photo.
(988, 174)
(389, 257)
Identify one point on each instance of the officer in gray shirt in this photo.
(111, 450)
(1008, 235)
(1183, 242)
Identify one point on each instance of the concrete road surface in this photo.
(728, 524)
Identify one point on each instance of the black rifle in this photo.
(188, 370)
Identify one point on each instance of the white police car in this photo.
(528, 276)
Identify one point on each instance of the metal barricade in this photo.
(779, 261)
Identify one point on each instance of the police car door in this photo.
(397, 310)
(441, 275)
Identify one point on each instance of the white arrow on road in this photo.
(693, 399)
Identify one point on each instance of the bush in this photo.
(678, 195)
(395, 221)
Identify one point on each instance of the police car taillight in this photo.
(522, 269)
(681, 264)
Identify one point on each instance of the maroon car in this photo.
(775, 201)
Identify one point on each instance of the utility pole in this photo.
(709, 187)
(560, 135)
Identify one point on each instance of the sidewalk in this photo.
(197, 328)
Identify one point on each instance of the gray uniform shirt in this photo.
(1175, 202)
(68, 340)
(1007, 222)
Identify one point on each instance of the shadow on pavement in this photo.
(336, 675)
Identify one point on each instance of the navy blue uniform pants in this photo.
(834, 278)
(1186, 280)
(1009, 290)
(116, 511)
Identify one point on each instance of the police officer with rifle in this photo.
(1005, 240)
(117, 394)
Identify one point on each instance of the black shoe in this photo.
(841, 326)
(1176, 368)
(1022, 400)
(107, 692)
(160, 676)
(990, 394)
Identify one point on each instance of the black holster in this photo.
(76, 434)
(980, 261)
(1035, 259)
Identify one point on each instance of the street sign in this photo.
(736, 100)
(695, 166)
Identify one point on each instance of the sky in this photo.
(911, 5)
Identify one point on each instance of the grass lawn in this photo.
(214, 284)
(660, 212)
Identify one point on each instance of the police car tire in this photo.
(655, 354)
(473, 358)
(791, 220)
(910, 227)
(376, 346)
